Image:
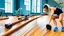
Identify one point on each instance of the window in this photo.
(9, 6)
(36, 6)
(27, 3)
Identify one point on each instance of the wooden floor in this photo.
(39, 32)
(34, 28)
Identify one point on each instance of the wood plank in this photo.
(51, 33)
(40, 33)
(61, 33)
(35, 33)
(32, 31)
(29, 32)
(57, 34)
(47, 31)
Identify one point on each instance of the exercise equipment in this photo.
(8, 26)
(25, 18)
(49, 27)
(19, 18)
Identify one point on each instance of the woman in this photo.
(53, 13)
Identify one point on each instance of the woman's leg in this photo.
(61, 16)
(55, 17)
(55, 23)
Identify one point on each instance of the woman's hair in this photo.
(47, 7)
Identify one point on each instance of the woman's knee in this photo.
(61, 16)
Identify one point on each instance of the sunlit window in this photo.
(36, 6)
(27, 3)
(9, 6)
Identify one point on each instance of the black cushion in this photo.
(48, 27)
(8, 26)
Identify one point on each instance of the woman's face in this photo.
(46, 10)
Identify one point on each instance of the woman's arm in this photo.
(50, 16)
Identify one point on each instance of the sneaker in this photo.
(62, 29)
(55, 29)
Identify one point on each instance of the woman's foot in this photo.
(62, 29)
(55, 29)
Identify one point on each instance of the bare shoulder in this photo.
(53, 8)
